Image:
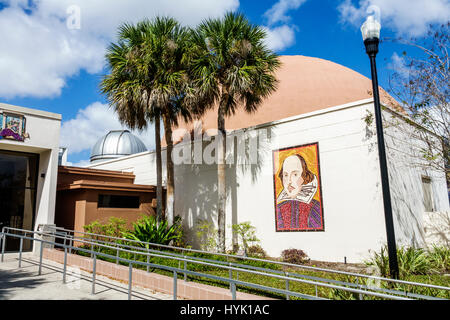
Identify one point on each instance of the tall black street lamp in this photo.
(371, 35)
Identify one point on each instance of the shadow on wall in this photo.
(196, 184)
(407, 210)
(195, 197)
(406, 166)
(405, 188)
(437, 228)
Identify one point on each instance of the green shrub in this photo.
(380, 261)
(439, 258)
(148, 229)
(114, 228)
(94, 227)
(412, 261)
(294, 256)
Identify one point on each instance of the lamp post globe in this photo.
(371, 36)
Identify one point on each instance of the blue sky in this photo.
(48, 63)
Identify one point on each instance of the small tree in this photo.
(147, 74)
(206, 235)
(247, 233)
(233, 70)
(421, 85)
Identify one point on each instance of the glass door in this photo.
(18, 182)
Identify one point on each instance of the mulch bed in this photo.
(347, 267)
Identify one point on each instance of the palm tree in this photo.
(147, 79)
(233, 69)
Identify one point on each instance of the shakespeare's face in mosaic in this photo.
(292, 176)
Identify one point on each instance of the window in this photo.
(114, 201)
(427, 194)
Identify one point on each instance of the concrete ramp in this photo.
(25, 283)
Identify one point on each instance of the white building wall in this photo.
(350, 178)
(143, 165)
(413, 225)
(44, 131)
(350, 190)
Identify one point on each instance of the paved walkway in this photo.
(26, 284)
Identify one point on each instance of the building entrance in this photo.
(18, 181)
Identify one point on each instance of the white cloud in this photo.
(81, 163)
(398, 65)
(93, 122)
(38, 55)
(39, 52)
(281, 35)
(278, 12)
(405, 17)
(280, 38)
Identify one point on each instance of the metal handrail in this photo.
(290, 274)
(233, 282)
(185, 271)
(369, 277)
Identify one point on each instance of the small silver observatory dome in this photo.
(116, 144)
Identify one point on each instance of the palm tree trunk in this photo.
(159, 192)
(221, 179)
(170, 198)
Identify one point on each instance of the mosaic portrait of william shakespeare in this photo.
(297, 188)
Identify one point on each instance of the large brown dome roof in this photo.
(306, 84)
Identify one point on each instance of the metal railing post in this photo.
(93, 273)
(185, 268)
(71, 245)
(117, 255)
(174, 285)
(20, 252)
(41, 253)
(3, 246)
(179, 261)
(359, 287)
(230, 273)
(148, 261)
(65, 265)
(287, 286)
(233, 291)
(130, 281)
